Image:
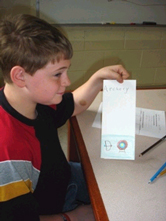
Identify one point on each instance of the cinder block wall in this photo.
(141, 50)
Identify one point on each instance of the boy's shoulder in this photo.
(17, 140)
(12, 130)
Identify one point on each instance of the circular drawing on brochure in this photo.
(122, 145)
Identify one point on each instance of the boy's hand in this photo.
(85, 94)
(115, 72)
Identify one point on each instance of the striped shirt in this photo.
(34, 172)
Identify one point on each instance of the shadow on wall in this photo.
(92, 69)
(17, 9)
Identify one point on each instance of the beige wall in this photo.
(8, 7)
(142, 51)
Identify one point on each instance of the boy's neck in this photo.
(19, 101)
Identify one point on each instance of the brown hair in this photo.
(31, 43)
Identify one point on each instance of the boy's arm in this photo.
(85, 94)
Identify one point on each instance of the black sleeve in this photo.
(22, 208)
(65, 109)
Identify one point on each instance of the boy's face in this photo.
(48, 84)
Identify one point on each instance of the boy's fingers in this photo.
(122, 71)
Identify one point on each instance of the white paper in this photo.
(97, 120)
(151, 125)
(118, 120)
(150, 122)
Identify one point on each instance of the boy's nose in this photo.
(66, 81)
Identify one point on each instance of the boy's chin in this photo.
(52, 102)
(57, 101)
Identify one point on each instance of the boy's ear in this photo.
(17, 75)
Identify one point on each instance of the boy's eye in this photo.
(57, 75)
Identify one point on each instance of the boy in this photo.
(36, 181)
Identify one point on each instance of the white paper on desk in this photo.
(118, 120)
(97, 120)
(150, 122)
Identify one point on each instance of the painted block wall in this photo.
(141, 50)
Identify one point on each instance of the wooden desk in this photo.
(119, 189)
